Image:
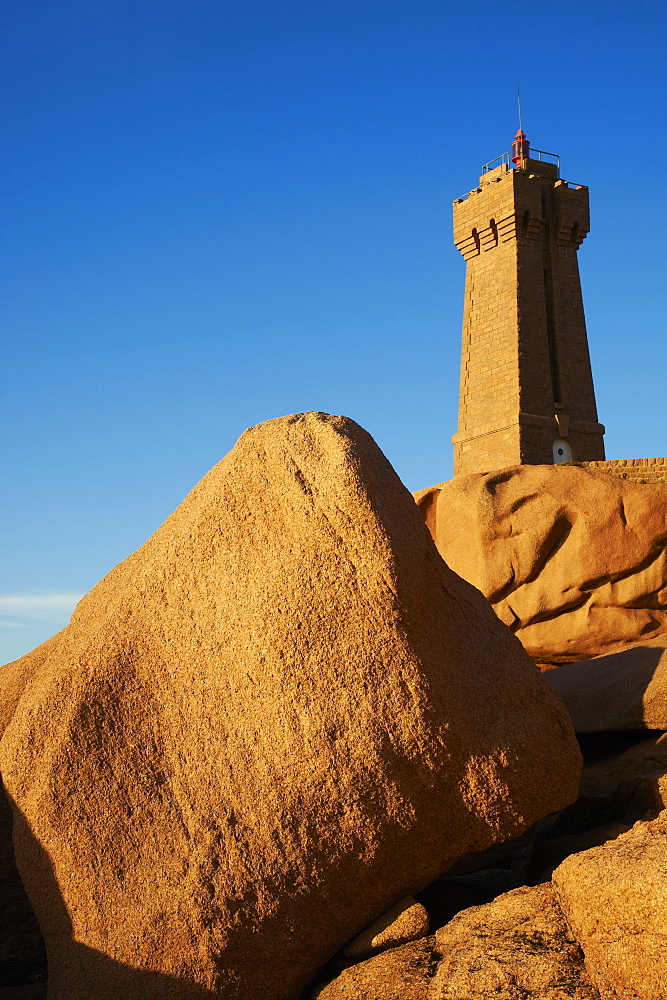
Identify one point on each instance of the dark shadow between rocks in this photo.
(479, 877)
(598, 746)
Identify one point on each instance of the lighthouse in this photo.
(526, 391)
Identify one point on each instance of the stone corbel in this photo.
(563, 423)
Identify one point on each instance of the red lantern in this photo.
(520, 149)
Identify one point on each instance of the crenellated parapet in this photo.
(571, 216)
(510, 205)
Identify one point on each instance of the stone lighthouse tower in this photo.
(527, 393)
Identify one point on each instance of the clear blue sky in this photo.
(221, 212)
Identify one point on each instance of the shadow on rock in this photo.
(22, 950)
(75, 971)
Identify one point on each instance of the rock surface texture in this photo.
(516, 948)
(574, 561)
(624, 690)
(402, 973)
(276, 718)
(615, 900)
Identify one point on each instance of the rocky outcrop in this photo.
(519, 945)
(624, 690)
(516, 948)
(614, 899)
(279, 716)
(574, 561)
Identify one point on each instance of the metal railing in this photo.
(502, 160)
(540, 154)
(534, 154)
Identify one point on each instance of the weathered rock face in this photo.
(615, 901)
(515, 948)
(624, 690)
(280, 715)
(574, 561)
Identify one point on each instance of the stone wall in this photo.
(637, 470)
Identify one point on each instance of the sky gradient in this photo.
(221, 212)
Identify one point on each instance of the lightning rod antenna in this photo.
(518, 101)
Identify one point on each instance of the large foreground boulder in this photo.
(615, 900)
(279, 716)
(574, 561)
